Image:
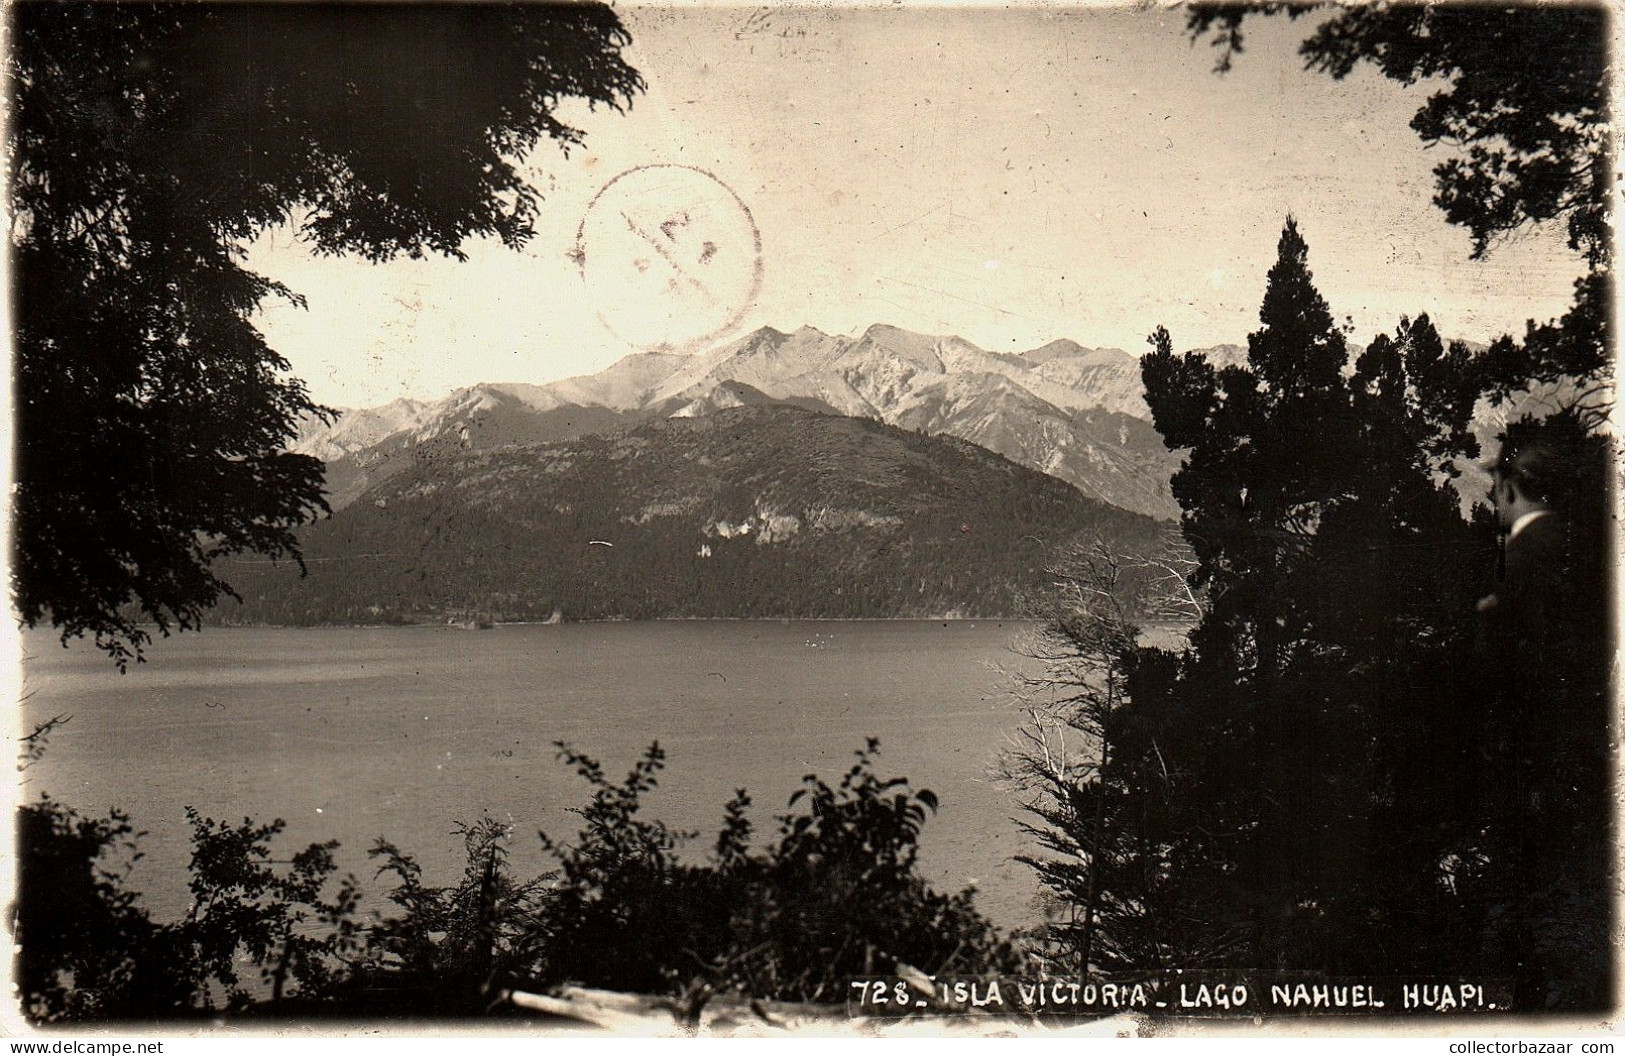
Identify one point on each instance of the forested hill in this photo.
(760, 511)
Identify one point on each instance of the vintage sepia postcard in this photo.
(837, 519)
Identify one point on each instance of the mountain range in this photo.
(1072, 412)
(782, 474)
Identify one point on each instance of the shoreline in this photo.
(602, 622)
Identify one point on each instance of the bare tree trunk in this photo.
(1091, 892)
(280, 977)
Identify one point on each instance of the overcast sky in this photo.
(1010, 176)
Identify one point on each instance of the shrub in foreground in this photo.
(835, 893)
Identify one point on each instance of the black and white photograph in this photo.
(839, 519)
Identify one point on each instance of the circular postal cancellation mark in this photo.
(671, 257)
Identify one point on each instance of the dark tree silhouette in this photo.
(1524, 107)
(1294, 767)
(835, 891)
(148, 144)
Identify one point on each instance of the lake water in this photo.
(356, 733)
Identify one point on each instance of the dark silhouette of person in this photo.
(1549, 633)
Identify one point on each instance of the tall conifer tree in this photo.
(1302, 748)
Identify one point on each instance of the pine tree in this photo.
(1304, 742)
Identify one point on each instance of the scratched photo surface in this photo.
(773, 519)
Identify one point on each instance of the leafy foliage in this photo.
(279, 920)
(1331, 777)
(1531, 137)
(626, 911)
(1511, 872)
(450, 946)
(1292, 783)
(80, 933)
(35, 742)
(846, 897)
(148, 143)
(836, 894)
(90, 952)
